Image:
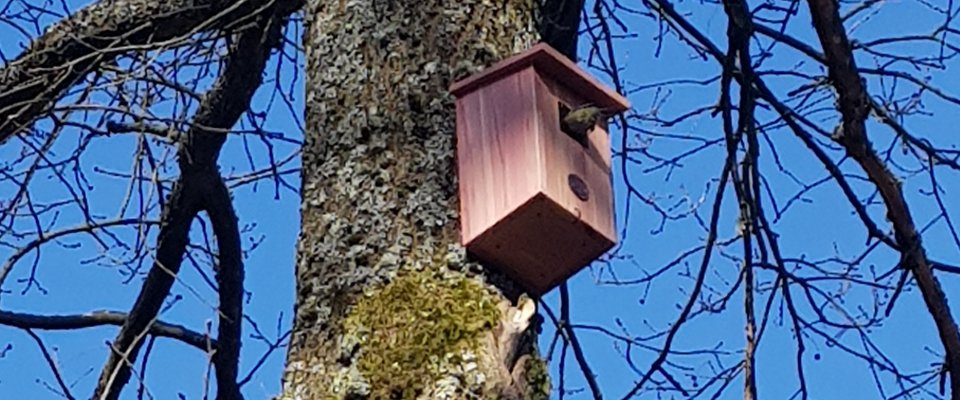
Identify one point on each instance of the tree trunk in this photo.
(388, 304)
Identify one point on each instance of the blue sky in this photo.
(819, 226)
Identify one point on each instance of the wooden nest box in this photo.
(534, 201)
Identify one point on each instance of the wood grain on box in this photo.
(533, 201)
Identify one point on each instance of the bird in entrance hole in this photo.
(580, 121)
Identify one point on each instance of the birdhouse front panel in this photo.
(535, 201)
(498, 158)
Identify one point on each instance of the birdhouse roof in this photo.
(551, 63)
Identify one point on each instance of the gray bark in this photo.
(379, 197)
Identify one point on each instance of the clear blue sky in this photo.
(819, 227)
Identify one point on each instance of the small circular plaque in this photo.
(579, 187)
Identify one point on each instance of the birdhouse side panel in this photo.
(497, 152)
(575, 177)
(600, 145)
(580, 185)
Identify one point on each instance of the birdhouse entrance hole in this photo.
(563, 110)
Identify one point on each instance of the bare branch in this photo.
(52, 363)
(101, 318)
(94, 36)
(854, 106)
(201, 188)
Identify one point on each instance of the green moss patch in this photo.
(408, 328)
(538, 379)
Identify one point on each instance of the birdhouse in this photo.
(535, 201)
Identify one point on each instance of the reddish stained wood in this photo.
(497, 155)
(517, 209)
(553, 247)
(599, 139)
(562, 156)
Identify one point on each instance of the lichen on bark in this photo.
(379, 183)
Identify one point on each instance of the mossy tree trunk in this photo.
(388, 305)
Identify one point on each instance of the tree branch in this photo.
(657, 364)
(559, 24)
(101, 318)
(571, 337)
(739, 33)
(854, 106)
(94, 36)
(50, 236)
(178, 214)
(53, 365)
(241, 77)
(201, 187)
